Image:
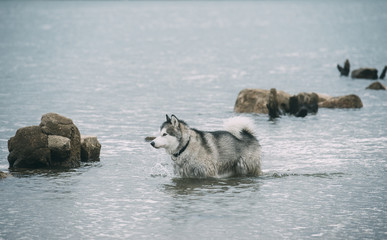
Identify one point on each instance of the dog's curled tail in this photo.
(237, 125)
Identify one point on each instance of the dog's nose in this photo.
(153, 143)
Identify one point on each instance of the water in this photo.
(116, 69)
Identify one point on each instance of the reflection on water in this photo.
(187, 186)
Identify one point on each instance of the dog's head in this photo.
(171, 134)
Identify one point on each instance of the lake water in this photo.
(116, 69)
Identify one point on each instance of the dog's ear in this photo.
(174, 121)
(168, 119)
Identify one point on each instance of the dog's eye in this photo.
(165, 134)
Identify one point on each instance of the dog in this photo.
(232, 152)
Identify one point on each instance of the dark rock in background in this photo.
(365, 73)
(376, 86)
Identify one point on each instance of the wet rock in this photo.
(3, 175)
(276, 102)
(60, 147)
(303, 103)
(348, 101)
(55, 143)
(149, 139)
(344, 71)
(365, 73)
(55, 124)
(90, 148)
(383, 74)
(29, 149)
(279, 102)
(256, 100)
(376, 86)
(298, 105)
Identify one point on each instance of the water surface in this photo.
(116, 69)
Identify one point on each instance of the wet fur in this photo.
(211, 154)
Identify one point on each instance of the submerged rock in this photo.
(149, 139)
(348, 101)
(4, 175)
(55, 143)
(365, 73)
(376, 86)
(256, 100)
(303, 103)
(298, 105)
(277, 103)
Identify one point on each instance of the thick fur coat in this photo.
(234, 151)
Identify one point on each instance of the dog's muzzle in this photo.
(153, 144)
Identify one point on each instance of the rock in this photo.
(298, 105)
(3, 175)
(279, 102)
(90, 148)
(303, 103)
(60, 147)
(256, 100)
(29, 149)
(149, 139)
(365, 73)
(55, 143)
(344, 71)
(376, 86)
(348, 101)
(55, 124)
(383, 74)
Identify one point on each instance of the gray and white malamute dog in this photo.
(234, 151)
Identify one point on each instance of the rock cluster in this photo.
(275, 103)
(361, 73)
(55, 143)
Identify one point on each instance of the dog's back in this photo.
(234, 151)
(238, 147)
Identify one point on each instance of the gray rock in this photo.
(60, 148)
(55, 143)
(55, 124)
(90, 148)
(29, 149)
(376, 86)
